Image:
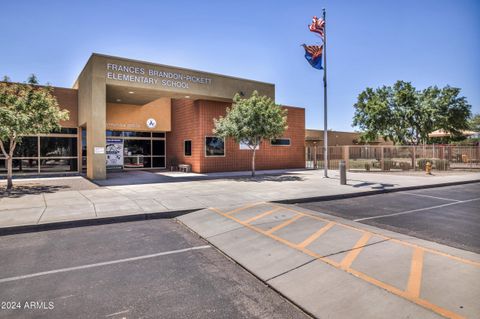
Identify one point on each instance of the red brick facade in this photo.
(193, 120)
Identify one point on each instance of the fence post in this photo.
(382, 162)
(414, 158)
(346, 156)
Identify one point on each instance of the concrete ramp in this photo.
(334, 268)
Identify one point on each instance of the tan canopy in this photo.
(442, 133)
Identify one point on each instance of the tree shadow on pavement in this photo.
(373, 185)
(270, 178)
(22, 190)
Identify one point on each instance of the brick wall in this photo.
(68, 99)
(194, 120)
(184, 117)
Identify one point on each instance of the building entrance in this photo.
(135, 150)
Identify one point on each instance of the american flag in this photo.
(317, 26)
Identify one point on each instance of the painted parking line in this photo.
(242, 208)
(254, 218)
(413, 287)
(415, 210)
(430, 196)
(316, 235)
(118, 261)
(353, 254)
(415, 278)
(284, 224)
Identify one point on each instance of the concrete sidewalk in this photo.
(53, 206)
(336, 268)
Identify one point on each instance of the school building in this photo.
(127, 114)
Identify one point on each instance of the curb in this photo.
(369, 193)
(14, 230)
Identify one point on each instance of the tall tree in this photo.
(25, 109)
(252, 120)
(474, 123)
(406, 116)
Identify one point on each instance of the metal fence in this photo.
(395, 158)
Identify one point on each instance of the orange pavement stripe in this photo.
(442, 311)
(315, 235)
(241, 208)
(348, 260)
(254, 218)
(430, 250)
(284, 224)
(415, 279)
(428, 305)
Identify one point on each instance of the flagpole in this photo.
(325, 127)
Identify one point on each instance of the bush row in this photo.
(388, 164)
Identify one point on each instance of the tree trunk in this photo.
(253, 162)
(9, 160)
(9, 173)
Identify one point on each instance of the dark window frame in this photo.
(214, 137)
(185, 148)
(281, 139)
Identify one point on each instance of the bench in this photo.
(186, 168)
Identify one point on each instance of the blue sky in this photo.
(370, 43)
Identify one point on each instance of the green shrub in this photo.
(388, 164)
(361, 164)
(422, 162)
(441, 165)
(405, 166)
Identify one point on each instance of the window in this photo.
(58, 146)
(159, 162)
(20, 166)
(141, 149)
(158, 134)
(28, 147)
(158, 147)
(244, 145)
(136, 134)
(187, 148)
(280, 142)
(113, 133)
(136, 147)
(65, 130)
(137, 162)
(214, 146)
(58, 165)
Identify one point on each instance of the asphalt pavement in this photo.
(146, 269)
(447, 215)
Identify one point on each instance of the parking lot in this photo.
(447, 215)
(147, 269)
(338, 268)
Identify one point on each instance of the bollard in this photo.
(343, 172)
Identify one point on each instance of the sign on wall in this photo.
(151, 123)
(154, 76)
(114, 151)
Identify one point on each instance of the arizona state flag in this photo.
(313, 54)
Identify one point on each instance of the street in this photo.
(447, 215)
